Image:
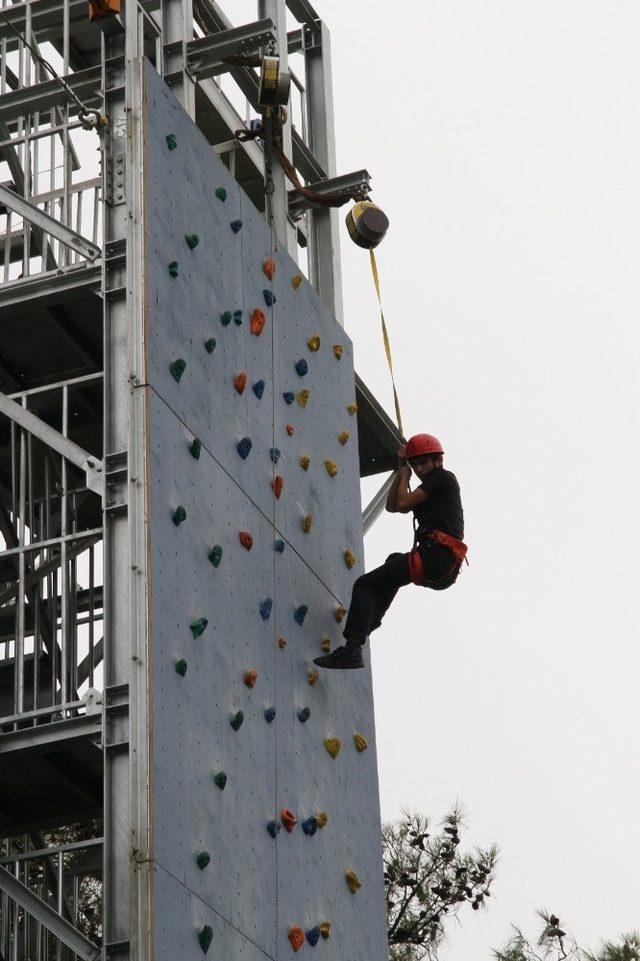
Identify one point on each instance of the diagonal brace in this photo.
(91, 466)
(376, 505)
(49, 224)
(50, 919)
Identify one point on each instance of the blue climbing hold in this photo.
(313, 936)
(274, 454)
(269, 714)
(244, 447)
(258, 389)
(273, 827)
(310, 826)
(302, 367)
(289, 397)
(265, 608)
(304, 714)
(236, 226)
(269, 297)
(237, 317)
(300, 613)
(279, 546)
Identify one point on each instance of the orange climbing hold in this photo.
(353, 881)
(307, 521)
(240, 381)
(312, 677)
(269, 268)
(325, 929)
(303, 397)
(296, 936)
(245, 539)
(289, 819)
(326, 644)
(314, 343)
(360, 743)
(290, 429)
(277, 483)
(332, 467)
(257, 322)
(339, 613)
(282, 643)
(333, 745)
(250, 678)
(322, 817)
(304, 461)
(352, 408)
(344, 437)
(349, 558)
(337, 351)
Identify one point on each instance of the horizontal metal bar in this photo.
(91, 466)
(51, 286)
(45, 15)
(42, 735)
(376, 505)
(51, 852)
(34, 577)
(50, 93)
(48, 918)
(38, 546)
(205, 54)
(49, 224)
(40, 712)
(58, 385)
(345, 183)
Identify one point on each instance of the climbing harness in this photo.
(416, 566)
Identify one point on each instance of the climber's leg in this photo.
(372, 596)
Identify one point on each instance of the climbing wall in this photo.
(265, 814)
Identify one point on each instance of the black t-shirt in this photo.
(442, 511)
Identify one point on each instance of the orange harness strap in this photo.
(416, 567)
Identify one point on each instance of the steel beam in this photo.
(47, 917)
(91, 466)
(48, 224)
(205, 55)
(345, 183)
(49, 94)
(376, 505)
(53, 286)
(302, 11)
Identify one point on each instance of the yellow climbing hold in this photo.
(349, 558)
(352, 408)
(296, 281)
(337, 351)
(304, 461)
(353, 881)
(326, 644)
(332, 467)
(307, 521)
(339, 613)
(314, 343)
(360, 742)
(303, 397)
(344, 436)
(321, 818)
(312, 677)
(325, 929)
(333, 745)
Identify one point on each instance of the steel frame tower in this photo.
(73, 729)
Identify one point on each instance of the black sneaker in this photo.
(342, 659)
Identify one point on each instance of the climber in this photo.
(437, 554)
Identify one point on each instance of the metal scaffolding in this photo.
(73, 737)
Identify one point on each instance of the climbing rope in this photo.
(89, 118)
(385, 338)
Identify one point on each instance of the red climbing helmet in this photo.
(421, 444)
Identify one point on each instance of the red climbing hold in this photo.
(269, 268)
(290, 429)
(289, 819)
(245, 539)
(296, 936)
(282, 643)
(277, 483)
(250, 678)
(257, 322)
(240, 381)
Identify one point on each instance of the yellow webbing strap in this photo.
(385, 338)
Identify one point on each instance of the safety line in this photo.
(385, 338)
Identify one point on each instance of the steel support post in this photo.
(375, 507)
(324, 237)
(177, 32)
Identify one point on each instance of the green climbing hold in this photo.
(196, 448)
(221, 193)
(192, 240)
(181, 667)
(203, 859)
(236, 720)
(179, 515)
(173, 268)
(205, 937)
(215, 555)
(210, 345)
(199, 626)
(226, 318)
(177, 368)
(172, 143)
(220, 780)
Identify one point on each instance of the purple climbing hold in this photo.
(300, 613)
(237, 317)
(269, 297)
(304, 714)
(279, 546)
(236, 226)
(313, 936)
(302, 367)
(269, 714)
(273, 827)
(310, 826)
(265, 608)
(258, 389)
(244, 447)
(274, 454)
(289, 397)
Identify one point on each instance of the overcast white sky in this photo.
(504, 143)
